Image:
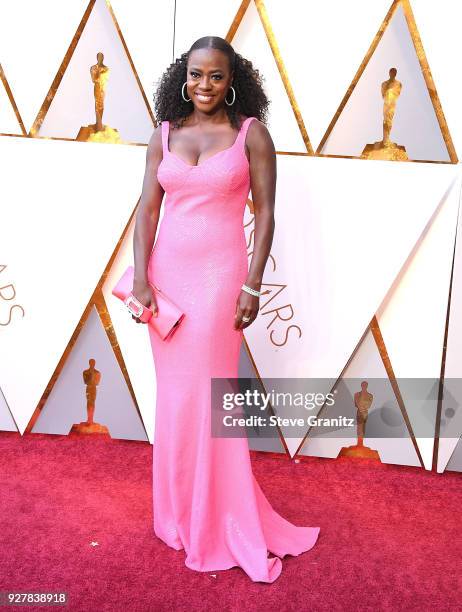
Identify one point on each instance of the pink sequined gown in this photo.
(205, 496)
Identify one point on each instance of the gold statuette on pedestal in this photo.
(385, 148)
(98, 132)
(91, 378)
(363, 401)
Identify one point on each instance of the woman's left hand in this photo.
(247, 306)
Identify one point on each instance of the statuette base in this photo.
(89, 428)
(359, 450)
(385, 151)
(89, 133)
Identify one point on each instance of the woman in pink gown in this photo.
(212, 146)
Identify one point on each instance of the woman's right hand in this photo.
(145, 294)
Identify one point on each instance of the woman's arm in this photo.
(263, 186)
(147, 218)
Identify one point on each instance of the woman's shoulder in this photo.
(155, 141)
(156, 132)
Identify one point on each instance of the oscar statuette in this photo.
(91, 378)
(363, 401)
(98, 132)
(386, 149)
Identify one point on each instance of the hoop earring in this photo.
(234, 97)
(182, 93)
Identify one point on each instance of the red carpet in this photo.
(390, 535)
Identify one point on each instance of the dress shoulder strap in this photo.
(245, 127)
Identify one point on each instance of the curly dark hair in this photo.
(250, 101)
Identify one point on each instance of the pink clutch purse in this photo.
(169, 316)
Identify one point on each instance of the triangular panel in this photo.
(251, 35)
(76, 390)
(151, 55)
(91, 215)
(392, 90)
(419, 295)
(96, 94)
(386, 431)
(332, 40)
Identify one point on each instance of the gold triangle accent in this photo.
(417, 42)
(277, 57)
(103, 312)
(339, 378)
(379, 341)
(35, 129)
(237, 20)
(9, 93)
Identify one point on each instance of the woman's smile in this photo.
(204, 98)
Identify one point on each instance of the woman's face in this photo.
(208, 78)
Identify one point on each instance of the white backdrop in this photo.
(354, 238)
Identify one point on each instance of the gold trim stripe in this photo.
(132, 65)
(409, 161)
(9, 93)
(377, 334)
(237, 20)
(133, 144)
(282, 71)
(418, 46)
(439, 406)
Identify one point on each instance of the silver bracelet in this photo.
(251, 291)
